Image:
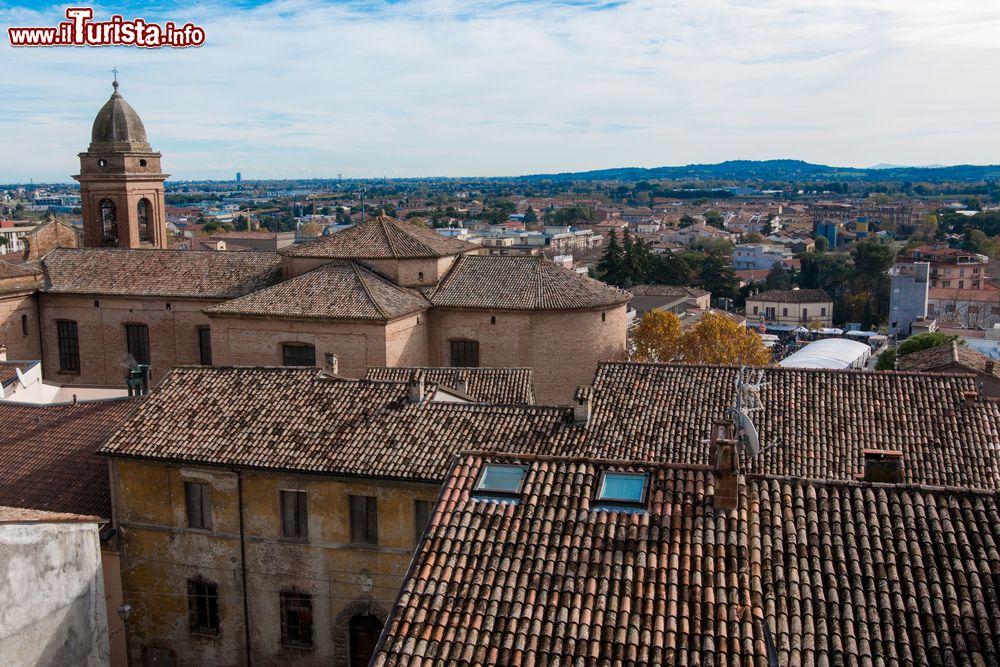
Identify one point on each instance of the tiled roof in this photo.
(381, 237)
(842, 573)
(791, 296)
(25, 515)
(161, 273)
(19, 269)
(949, 354)
(339, 290)
(8, 370)
(521, 283)
(48, 455)
(815, 422)
(298, 419)
(510, 386)
(677, 291)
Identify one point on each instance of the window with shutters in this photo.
(69, 346)
(421, 516)
(294, 516)
(197, 497)
(364, 520)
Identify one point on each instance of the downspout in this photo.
(243, 567)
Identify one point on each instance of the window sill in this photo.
(296, 647)
(294, 540)
(205, 634)
(367, 546)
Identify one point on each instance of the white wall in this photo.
(52, 609)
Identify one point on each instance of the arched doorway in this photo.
(363, 632)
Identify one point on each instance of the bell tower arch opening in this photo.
(121, 182)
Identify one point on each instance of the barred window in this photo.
(298, 354)
(464, 353)
(137, 342)
(203, 606)
(296, 619)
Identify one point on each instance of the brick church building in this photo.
(382, 293)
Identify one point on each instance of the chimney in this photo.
(462, 382)
(970, 396)
(3, 353)
(415, 387)
(990, 365)
(581, 409)
(722, 453)
(883, 465)
(330, 363)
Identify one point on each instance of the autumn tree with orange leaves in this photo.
(716, 339)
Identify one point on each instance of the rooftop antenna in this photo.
(748, 383)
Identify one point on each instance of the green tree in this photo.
(868, 316)
(530, 217)
(714, 218)
(822, 245)
(976, 241)
(611, 268)
(717, 277)
(923, 341)
(886, 361)
(687, 221)
(779, 277)
(669, 269)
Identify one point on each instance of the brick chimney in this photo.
(330, 363)
(415, 387)
(581, 406)
(883, 465)
(990, 365)
(970, 397)
(722, 457)
(462, 382)
(3, 353)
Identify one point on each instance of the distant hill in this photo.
(782, 170)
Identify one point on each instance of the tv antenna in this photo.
(748, 383)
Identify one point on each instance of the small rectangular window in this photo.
(69, 346)
(294, 516)
(203, 607)
(421, 517)
(622, 488)
(293, 354)
(784, 312)
(364, 520)
(137, 342)
(205, 346)
(198, 500)
(503, 480)
(296, 619)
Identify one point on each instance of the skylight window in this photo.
(500, 480)
(626, 489)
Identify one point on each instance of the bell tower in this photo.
(121, 185)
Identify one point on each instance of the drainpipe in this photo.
(243, 567)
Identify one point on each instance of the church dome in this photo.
(118, 127)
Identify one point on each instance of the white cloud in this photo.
(298, 88)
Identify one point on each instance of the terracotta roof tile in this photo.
(521, 283)
(381, 237)
(26, 515)
(511, 386)
(791, 296)
(162, 273)
(48, 455)
(842, 573)
(949, 355)
(339, 290)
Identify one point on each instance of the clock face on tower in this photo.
(121, 182)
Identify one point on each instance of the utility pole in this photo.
(362, 193)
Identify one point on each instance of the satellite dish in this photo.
(748, 433)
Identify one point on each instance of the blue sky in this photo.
(307, 88)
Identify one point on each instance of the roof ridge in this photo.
(388, 238)
(368, 292)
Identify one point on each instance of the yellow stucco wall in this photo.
(159, 555)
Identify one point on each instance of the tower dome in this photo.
(118, 127)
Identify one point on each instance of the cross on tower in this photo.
(114, 70)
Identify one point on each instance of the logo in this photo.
(80, 30)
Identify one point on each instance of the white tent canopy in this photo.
(829, 353)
